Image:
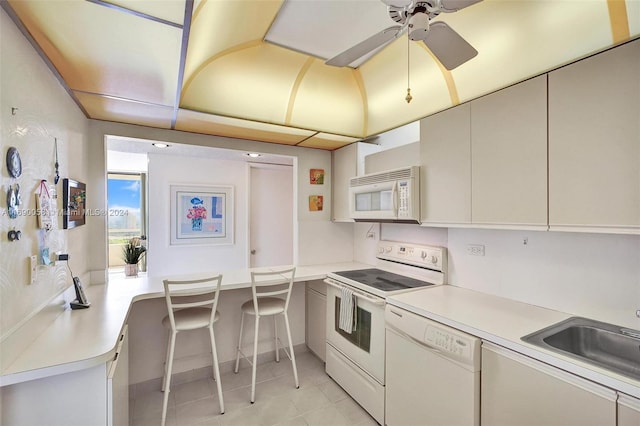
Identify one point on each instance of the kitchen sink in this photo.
(605, 345)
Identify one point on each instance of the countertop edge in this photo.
(124, 299)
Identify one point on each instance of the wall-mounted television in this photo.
(74, 197)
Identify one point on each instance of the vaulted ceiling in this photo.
(254, 69)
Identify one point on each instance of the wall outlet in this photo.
(33, 261)
(475, 249)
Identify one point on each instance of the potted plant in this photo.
(132, 253)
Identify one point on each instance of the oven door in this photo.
(365, 345)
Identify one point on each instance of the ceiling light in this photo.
(160, 145)
(254, 155)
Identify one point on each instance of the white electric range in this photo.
(356, 360)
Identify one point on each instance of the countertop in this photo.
(503, 322)
(80, 339)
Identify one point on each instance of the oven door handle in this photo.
(357, 293)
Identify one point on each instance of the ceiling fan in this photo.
(415, 17)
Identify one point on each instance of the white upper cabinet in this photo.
(347, 162)
(594, 143)
(445, 153)
(485, 162)
(509, 156)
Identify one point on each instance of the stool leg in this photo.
(216, 369)
(275, 329)
(255, 361)
(239, 344)
(293, 355)
(167, 389)
(166, 361)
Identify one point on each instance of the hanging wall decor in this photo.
(315, 203)
(316, 176)
(45, 207)
(14, 163)
(13, 200)
(57, 165)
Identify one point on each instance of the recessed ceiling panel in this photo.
(168, 10)
(122, 111)
(325, 28)
(633, 16)
(254, 83)
(329, 99)
(191, 121)
(385, 81)
(327, 141)
(221, 25)
(517, 40)
(97, 49)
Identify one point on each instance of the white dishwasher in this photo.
(432, 372)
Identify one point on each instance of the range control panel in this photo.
(430, 257)
(446, 341)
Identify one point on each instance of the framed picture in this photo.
(316, 176)
(201, 214)
(74, 203)
(315, 203)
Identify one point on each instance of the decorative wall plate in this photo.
(14, 163)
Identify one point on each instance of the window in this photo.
(125, 203)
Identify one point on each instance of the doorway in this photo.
(271, 213)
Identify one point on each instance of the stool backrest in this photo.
(272, 283)
(181, 294)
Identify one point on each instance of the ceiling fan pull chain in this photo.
(408, 97)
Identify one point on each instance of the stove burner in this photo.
(382, 280)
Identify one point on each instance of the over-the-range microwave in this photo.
(390, 196)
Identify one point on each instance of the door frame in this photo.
(294, 174)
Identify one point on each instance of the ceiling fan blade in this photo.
(359, 50)
(448, 46)
(453, 5)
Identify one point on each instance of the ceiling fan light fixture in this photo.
(419, 26)
(397, 3)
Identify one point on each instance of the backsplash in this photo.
(591, 275)
(35, 109)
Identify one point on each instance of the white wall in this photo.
(44, 112)
(127, 162)
(403, 135)
(594, 275)
(165, 259)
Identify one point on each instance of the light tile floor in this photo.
(319, 401)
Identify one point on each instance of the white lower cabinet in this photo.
(118, 384)
(316, 312)
(517, 390)
(628, 410)
(92, 396)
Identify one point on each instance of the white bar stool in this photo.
(264, 286)
(192, 305)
